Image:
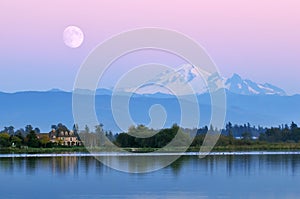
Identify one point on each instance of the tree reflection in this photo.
(178, 164)
(246, 165)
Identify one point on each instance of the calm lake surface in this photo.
(216, 176)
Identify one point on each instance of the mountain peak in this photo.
(236, 76)
(238, 85)
(199, 79)
(235, 79)
(188, 72)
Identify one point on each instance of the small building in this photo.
(241, 137)
(238, 137)
(65, 138)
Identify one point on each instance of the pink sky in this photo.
(257, 39)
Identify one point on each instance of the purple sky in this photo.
(257, 39)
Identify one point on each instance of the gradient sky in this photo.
(258, 39)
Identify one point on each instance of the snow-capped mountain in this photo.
(188, 76)
(238, 85)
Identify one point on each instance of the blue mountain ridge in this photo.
(42, 109)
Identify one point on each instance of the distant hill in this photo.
(42, 109)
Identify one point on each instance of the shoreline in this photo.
(293, 148)
(228, 148)
(123, 154)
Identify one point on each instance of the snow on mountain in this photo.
(188, 75)
(238, 85)
(183, 81)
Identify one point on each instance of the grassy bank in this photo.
(228, 148)
(255, 147)
(231, 148)
(43, 150)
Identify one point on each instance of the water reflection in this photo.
(246, 165)
(242, 176)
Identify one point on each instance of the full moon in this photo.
(73, 36)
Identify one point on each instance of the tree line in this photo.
(142, 137)
(21, 137)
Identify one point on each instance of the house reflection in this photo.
(64, 165)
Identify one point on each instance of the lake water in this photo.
(216, 176)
